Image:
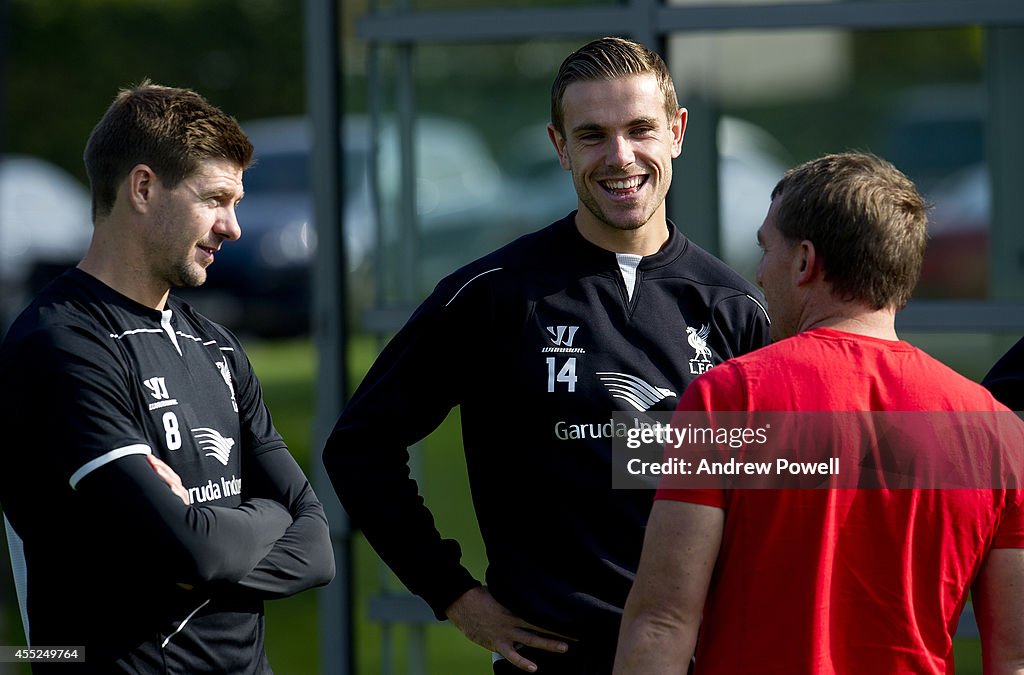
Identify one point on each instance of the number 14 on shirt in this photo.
(566, 374)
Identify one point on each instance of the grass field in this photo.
(287, 371)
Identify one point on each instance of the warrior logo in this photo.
(158, 390)
(634, 391)
(216, 445)
(701, 362)
(561, 336)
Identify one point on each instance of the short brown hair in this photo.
(169, 129)
(865, 218)
(607, 59)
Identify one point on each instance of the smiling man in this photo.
(151, 505)
(539, 344)
(611, 134)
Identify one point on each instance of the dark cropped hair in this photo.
(866, 220)
(169, 129)
(607, 59)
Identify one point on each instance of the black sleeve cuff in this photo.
(442, 595)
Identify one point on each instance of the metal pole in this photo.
(4, 57)
(330, 326)
(1004, 49)
(7, 595)
(406, 124)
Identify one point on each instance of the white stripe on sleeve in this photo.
(92, 465)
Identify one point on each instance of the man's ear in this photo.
(559, 142)
(807, 262)
(678, 127)
(139, 186)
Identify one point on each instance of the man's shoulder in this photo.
(56, 335)
(732, 297)
(783, 356)
(205, 327)
(702, 267)
(958, 390)
(840, 361)
(59, 312)
(806, 348)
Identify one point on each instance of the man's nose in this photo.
(228, 226)
(620, 151)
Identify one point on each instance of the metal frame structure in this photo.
(649, 21)
(330, 329)
(645, 18)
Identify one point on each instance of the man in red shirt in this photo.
(836, 580)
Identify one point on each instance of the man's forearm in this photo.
(651, 643)
(301, 559)
(303, 556)
(665, 606)
(373, 482)
(998, 596)
(137, 513)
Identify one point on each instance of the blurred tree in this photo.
(923, 56)
(68, 58)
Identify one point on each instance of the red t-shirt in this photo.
(843, 580)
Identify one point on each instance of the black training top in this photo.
(539, 343)
(1006, 379)
(92, 382)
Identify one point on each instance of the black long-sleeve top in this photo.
(1006, 379)
(539, 343)
(90, 384)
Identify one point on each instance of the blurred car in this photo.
(935, 134)
(45, 227)
(956, 261)
(261, 283)
(931, 132)
(750, 163)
